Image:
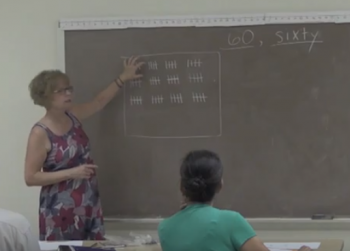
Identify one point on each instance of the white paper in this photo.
(53, 245)
(283, 246)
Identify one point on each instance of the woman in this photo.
(199, 225)
(58, 157)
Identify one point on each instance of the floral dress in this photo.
(71, 209)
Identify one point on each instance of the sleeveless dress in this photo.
(71, 209)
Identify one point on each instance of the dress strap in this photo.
(45, 128)
(75, 120)
(49, 133)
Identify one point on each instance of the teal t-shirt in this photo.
(201, 227)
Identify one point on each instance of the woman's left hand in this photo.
(131, 66)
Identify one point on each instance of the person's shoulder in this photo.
(164, 223)
(14, 220)
(38, 131)
(230, 215)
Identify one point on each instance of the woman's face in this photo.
(62, 95)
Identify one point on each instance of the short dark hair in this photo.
(201, 173)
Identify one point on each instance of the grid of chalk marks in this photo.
(178, 96)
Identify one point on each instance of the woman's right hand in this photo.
(84, 171)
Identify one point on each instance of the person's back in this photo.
(15, 233)
(201, 227)
(198, 226)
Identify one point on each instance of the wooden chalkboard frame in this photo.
(189, 21)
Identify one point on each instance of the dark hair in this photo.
(201, 174)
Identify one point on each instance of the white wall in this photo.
(28, 45)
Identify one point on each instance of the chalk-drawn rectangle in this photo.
(184, 103)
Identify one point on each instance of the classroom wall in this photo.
(28, 45)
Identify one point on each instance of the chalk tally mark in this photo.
(135, 83)
(194, 63)
(176, 98)
(195, 78)
(173, 79)
(199, 97)
(178, 69)
(152, 65)
(135, 100)
(156, 100)
(154, 81)
(170, 65)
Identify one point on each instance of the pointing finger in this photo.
(138, 65)
(134, 60)
(138, 76)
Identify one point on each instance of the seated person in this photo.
(15, 233)
(199, 226)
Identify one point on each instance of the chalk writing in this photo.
(173, 79)
(152, 65)
(135, 83)
(170, 64)
(186, 83)
(301, 36)
(248, 39)
(176, 98)
(154, 81)
(194, 63)
(199, 97)
(195, 78)
(243, 41)
(157, 99)
(135, 100)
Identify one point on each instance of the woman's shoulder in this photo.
(40, 126)
(39, 130)
(229, 216)
(169, 220)
(229, 213)
(223, 215)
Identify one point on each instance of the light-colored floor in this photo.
(125, 230)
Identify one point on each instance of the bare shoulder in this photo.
(38, 137)
(38, 133)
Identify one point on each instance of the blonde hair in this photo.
(43, 85)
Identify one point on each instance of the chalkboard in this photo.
(271, 100)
